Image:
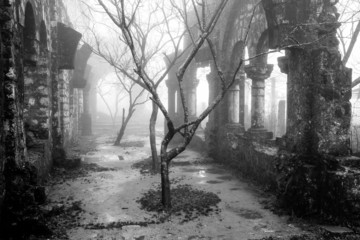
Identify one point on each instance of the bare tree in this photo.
(152, 38)
(126, 22)
(134, 98)
(126, 18)
(119, 96)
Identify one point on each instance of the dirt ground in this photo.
(99, 200)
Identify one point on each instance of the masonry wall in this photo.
(37, 53)
(310, 169)
(255, 160)
(12, 134)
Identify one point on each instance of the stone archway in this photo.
(318, 106)
(29, 36)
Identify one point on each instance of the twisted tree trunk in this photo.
(154, 154)
(124, 123)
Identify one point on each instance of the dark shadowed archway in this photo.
(29, 36)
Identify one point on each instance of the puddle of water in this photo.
(202, 182)
(202, 173)
(199, 173)
(216, 171)
(225, 178)
(109, 218)
(110, 157)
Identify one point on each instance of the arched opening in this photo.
(29, 36)
(43, 37)
(274, 89)
(275, 98)
(202, 93)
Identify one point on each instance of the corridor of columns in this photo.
(207, 119)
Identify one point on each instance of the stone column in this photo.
(258, 75)
(171, 97)
(242, 78)
(191, 97)
(234, 100)
(212, 81)
(211, 130)
(190, 85)
(86, 120)
(273, 107)
(281, 123)
(58, 153)
(233, 103)
(93, 100)
(172, 86)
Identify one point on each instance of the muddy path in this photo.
(99, 199)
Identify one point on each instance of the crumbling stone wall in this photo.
(36, 61)
(311, 167)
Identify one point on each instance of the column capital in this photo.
(239, 75)
(258, 72)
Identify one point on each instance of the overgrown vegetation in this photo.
(187, 203)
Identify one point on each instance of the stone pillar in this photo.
(281, 119)
(172, 86)
(233, 103)
(258, 75)
(242, 110)
(55, 110)
(319, 108)
(212, 81)
(191, 97)
(190, 85)
(171, 98)
(273, 107)
(93, 100)
(247, 121)
(64, 105)
(86, 120)
(212, 126)
(37, 99)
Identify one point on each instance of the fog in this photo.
(95, 25)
